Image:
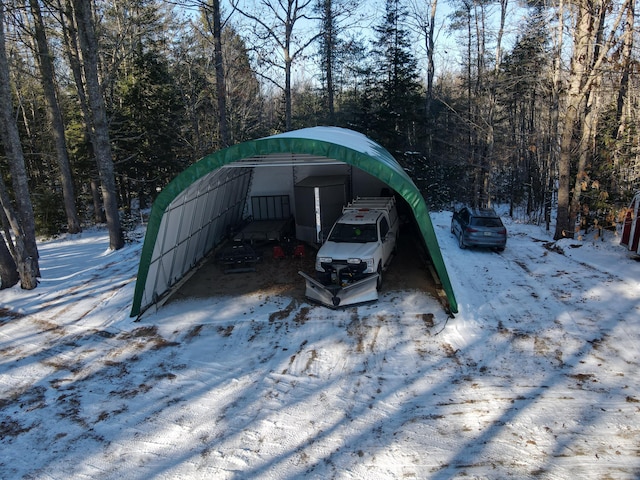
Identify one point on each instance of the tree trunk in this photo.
(489, 160)
(98, 126)
(55, 118)
(576, 93)
(287, 88)
(26, 264)
(22, 221)
(98, 213)
(328, 54)
(8, 269)
(589, 122)
(590, 50)
(554, 114)
(623, 94)
(564, 227)
(585, 154)
(70, 36)
(221, 90)
(6, 228)
(431, 70)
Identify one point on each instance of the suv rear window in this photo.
(486, 222)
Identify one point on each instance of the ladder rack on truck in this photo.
(370, 203)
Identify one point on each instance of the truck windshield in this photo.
(352, 233)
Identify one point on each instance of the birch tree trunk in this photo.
(22, 221)
(97, 121)
(45, 64)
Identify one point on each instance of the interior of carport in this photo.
(298, 180)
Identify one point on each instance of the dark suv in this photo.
(479, 227)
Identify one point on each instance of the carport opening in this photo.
(275, 274)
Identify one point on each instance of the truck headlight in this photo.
(320, 261)
(370, 266)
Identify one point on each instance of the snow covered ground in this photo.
(537, 376)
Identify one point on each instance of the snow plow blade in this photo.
(333, 296)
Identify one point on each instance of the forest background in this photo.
(528, 103)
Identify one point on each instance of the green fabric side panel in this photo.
(168, 195)
(380, 165)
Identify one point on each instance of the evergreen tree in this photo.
(245, 101)
(398, 89)
(195, 77)
(332, 48)
(145, 135)
(524, 95)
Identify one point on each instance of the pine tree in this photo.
(398, 89)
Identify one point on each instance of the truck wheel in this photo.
(379, 280)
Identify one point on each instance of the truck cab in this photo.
(358, 248)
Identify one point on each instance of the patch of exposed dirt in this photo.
(272, 276)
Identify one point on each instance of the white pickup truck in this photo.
(359, 247)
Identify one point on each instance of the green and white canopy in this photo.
(193, 214)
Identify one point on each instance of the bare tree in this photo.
(553, 153)
(423, 13)
(22, 220)
(623, 101)
(97, 124)
(276, 24)
(45, 63)
(215, 24)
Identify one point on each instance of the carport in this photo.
(302, 176)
